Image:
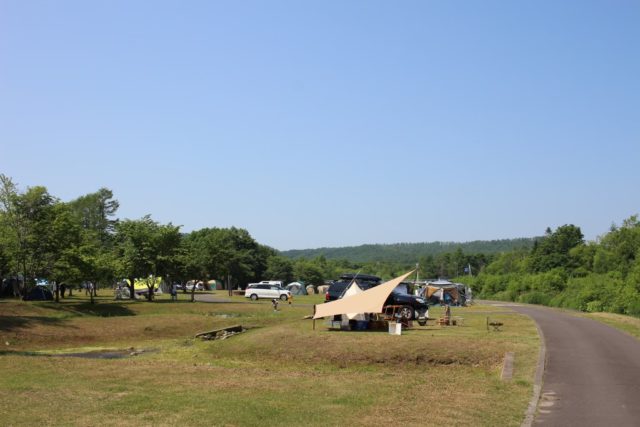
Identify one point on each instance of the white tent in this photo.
(369, 301)
(353, 289)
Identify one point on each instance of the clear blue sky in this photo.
(330, 123)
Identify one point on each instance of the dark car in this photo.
(337, 288)
(412, 307)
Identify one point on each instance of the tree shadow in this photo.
(9, 323)
(88, 309)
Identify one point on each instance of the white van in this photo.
(265, 290)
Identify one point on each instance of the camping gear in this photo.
(360, 325)
(395, 328)
(370, 301)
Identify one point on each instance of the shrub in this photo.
(535, 297)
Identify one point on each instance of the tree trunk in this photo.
(57, 288)
(133, 294)
(24, 279)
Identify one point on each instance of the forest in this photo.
(83, 240)
(563, 270)
(409, 252)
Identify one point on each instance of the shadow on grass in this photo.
(88, 309)
(20, 353)
(97, 354)
(9, 323)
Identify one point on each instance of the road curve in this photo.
(592, 372)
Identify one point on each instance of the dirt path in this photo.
(592, 372)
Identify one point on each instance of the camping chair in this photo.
(392, 314)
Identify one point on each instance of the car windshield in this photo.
(400, 289)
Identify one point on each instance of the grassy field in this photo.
(279, 372)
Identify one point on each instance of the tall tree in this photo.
(224, 253)
(553, 250)
(96, 212)
(144, 248)
(279, 268)
(27, 219)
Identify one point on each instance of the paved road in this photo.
(592, 372)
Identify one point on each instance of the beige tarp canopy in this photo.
(369, 301)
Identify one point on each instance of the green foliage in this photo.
(95, 212)
(279, 268)
(40, 236)
(564, 272)
(408, 253)
(145, 247)
(535, 297)
(309, 273)
(553, 251)
(222, 252)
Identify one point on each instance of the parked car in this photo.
(268, 282)
(189, 286)
(338, 287)
(412, 307)
(259, 290)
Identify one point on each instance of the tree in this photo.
(145, 248)
(226, 253)
(620, 247)
(95, 212)
(27, 219)
(553, 250)
(308, 273)
(279, 268)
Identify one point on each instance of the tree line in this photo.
(563, 270)
(407, 253)
(83, 240)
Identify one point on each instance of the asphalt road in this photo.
(592, 372)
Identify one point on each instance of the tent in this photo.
(445, 292)
(296, 288)
(140, 285)
(353, 289)
(370, 301)
(39, 293)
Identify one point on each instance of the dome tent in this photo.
(296, 288)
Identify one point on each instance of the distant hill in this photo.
(409, 252)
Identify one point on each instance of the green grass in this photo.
(628, 324)
(280, 372)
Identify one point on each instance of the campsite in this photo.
(279, 372)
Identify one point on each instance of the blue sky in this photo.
(330, 123)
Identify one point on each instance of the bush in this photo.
(535, 298)
(594, 306)
(505, 296)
